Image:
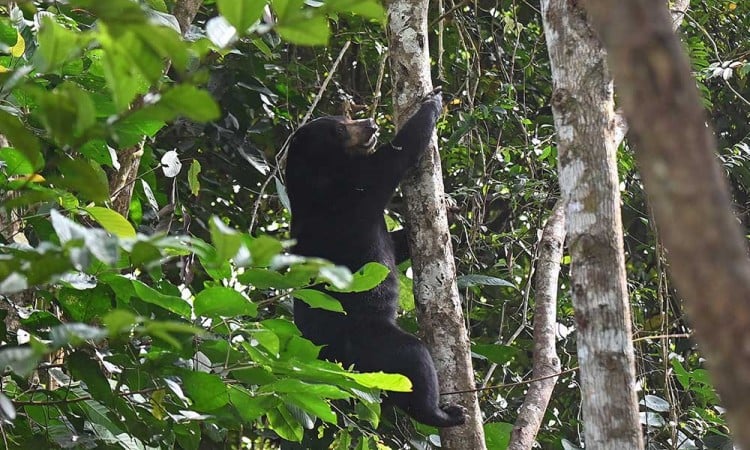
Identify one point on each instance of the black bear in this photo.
(338, 184)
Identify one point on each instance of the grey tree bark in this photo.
(546, 361)
(439, 306)
(583, 110)
(705, 246)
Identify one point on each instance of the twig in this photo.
(281, 155)
(566, 371)
(379, 84)
(325, 82)
(448, 13)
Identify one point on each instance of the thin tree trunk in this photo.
(439, 306)
(546, 361)
(705, 246)
(583, 110)
(122, 183)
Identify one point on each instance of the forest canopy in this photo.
(146, 282)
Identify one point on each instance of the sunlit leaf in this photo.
(223, 302)
(111, 221)
(241, 13)
(318, 299)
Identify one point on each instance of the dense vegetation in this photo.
(171, 328)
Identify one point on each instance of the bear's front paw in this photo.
(457, 413)
(434, 95)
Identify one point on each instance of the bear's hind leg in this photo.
(401, 352)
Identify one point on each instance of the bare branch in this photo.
(546, 362)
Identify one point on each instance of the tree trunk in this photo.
(122, 183)
(705, 246)
(583, 110)
(546, 362)
(439, 306)
(679, 8)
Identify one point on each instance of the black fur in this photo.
(338, 187)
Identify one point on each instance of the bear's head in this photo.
(323, 161)
(335, 137)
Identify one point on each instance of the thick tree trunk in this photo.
(439, 306)
(546, 361)
(583, 110)
(706, 249)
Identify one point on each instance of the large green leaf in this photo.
(111, 221)
(366, 278)
(85, 177)
(191, 102)
(21, 139)
(282, 421)
(241, 13)
(168, 302)
(303, 30)
(318, 299)
(226, 240)
(223, 302)
(380, 380)
(83, 368)
(15, 162)
(207, 391)
(367, 8)
(57, 45)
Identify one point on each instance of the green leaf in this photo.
(191, 102)
(119, 321)
(117, 11)
(21, 360)
(303, 30)
(111, 221)
(241, 13)
(284, 424)
(318, 299)
(67, 112)
(366, 278)
(223, 302)
(380, 380)
(312, 404)
(84, 177)
(292, 385)
(83, 368)
(21, 139)
(339, 276)
(75, 334)
(263, 249)
(497, 434)
(266, 279)
(371, 9)
(207, 391)
(15, 162)
(8, 34)
(57, 45)
(499, 354)
(193, 181)
(465, 281)
(84, 305)
(168, 302)
(226, 240)
(249, 407)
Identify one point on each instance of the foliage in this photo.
(168, 328)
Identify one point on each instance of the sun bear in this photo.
(339, 182)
